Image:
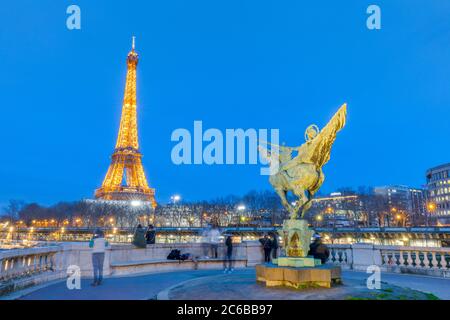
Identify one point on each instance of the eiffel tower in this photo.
(125, 179)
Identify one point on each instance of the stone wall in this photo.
(27, 267)
(79, 254)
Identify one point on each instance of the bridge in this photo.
(408, 236)
(40, 272)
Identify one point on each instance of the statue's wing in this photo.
(266, 153)
(321, 144)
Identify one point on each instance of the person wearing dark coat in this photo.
(274, 245)
(229, 254)
(150, 235)
(139, 237)
(267, 246)
(319, 250)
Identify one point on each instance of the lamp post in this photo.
(175, 198)
(431, 208)
(319, 218)
(398, 217)
(241, 209)
(393, 212)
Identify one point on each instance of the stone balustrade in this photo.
(399, 259)
(27, 267)
(341, 255)
(419, 260)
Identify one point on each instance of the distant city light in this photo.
(241, 207)
(136, 203)
(175, 198)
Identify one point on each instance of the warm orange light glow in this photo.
(431, 206)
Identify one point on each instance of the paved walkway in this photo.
(148, 286)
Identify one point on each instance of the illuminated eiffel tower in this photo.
(125, 179)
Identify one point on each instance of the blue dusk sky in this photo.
(231, 64)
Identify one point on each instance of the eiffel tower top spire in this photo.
(128, 135)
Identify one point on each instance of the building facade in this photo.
(337, 210)
(438, 187)
(407, 205)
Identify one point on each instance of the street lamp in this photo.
(431, 207)
(399, 218)
(175, 198)
(318, 218)
(241, 208)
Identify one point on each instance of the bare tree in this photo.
(13, 208)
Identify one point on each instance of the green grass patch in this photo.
(431, 296)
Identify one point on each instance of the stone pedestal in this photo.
(297, 262)
(298, 278)
(296, 237)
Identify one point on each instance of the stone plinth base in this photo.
(297, 262)
(299, 278)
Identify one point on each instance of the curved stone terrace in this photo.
(131, 273)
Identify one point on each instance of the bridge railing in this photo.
(416, 258)
(341, 254)
(22, 265)
(399, 259)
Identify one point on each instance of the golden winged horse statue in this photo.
(302, 174)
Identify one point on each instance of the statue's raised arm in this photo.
(320, 146)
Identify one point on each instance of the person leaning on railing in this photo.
(150, 235)
(318, 250)
(139, 237)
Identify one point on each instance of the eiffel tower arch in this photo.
(125, 178)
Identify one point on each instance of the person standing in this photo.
(229, 254)
(150, 235)
(214, 239)
(139, 237)
(98, 244)
(319, 250)
(274, 245)
(205, 241)
(267, 247)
